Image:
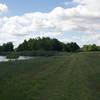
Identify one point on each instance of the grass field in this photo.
(65, 77)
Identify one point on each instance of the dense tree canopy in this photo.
(47, 44)
(7, 47)
(71, 47)
(40, 44)
(91, 48)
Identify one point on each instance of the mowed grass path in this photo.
(66, 77)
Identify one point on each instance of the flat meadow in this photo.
(73, 76)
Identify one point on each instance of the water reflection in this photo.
(4, 59)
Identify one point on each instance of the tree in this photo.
(71, 47)
(1, 49)
(23, 46)
(57, 45)
(90, 48)
(7, 47)
(94, 47)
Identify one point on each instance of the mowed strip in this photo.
(67, 77)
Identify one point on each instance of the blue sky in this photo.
(19, 7)
(66, 20)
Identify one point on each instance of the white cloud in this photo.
(85, 17)
(3, 8)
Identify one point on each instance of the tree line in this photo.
(42, 44)
(47, 44)
(90, 47)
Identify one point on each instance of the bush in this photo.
(12, 55)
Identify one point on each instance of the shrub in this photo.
(12, 55)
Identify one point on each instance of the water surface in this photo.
(4, 59)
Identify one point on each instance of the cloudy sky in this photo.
(66, 20)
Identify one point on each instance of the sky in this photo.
(67, 20)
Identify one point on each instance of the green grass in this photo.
(64, 77)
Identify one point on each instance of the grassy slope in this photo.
(68, 77)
